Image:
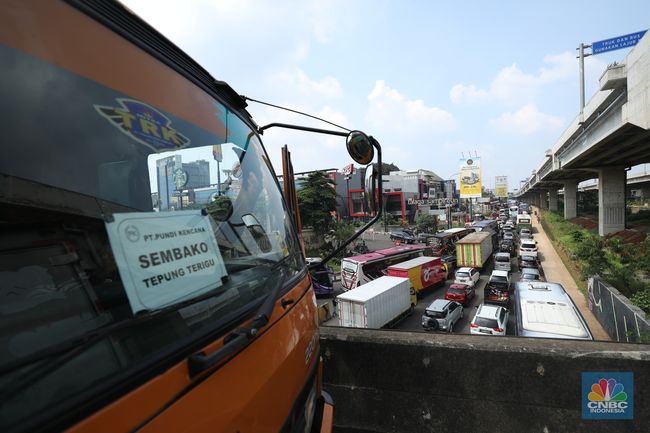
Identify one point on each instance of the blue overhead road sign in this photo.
(616, 43)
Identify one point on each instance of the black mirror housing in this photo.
(360, 147)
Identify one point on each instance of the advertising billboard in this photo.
(470, 177)
(501, 186)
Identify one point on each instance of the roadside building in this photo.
(410, 192)
(406, 193)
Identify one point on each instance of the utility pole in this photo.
(581, 61)
(347, 189)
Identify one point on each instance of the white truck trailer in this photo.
(381, 302)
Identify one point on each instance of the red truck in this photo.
(424, 272)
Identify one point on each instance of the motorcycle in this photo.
(361, 248)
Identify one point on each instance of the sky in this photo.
(432, 81)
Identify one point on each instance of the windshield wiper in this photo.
(62, 352)
(241, 337)
(248, 263)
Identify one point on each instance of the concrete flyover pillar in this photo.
(543, 203)
(611, 200)
(570, 199)
(552, 199)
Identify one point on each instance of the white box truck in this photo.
(379, 303)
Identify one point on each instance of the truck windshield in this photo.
(121, 199)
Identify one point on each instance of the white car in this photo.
(489, 320)
(469, 276)
(528, 247)
(525, 234)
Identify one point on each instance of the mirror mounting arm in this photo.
(380, 191)
(380, 194)
(261, 129)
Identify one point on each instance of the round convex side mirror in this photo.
(360, 148)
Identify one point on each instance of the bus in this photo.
(524, 221)
(444, 243)
(545, 310)
(358, 270)
(488, 224)
(153, 274)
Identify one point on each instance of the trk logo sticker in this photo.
(144, 124)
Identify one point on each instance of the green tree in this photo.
(426, 222)
(342, 231)
(386, 168)
(387, 219)
(592, 253)
(220, 208)
(317, 201)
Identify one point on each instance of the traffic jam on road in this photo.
(485, 279)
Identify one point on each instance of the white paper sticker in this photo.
(164, 258)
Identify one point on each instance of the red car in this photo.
(462, 293)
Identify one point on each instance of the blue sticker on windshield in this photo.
(144, 124)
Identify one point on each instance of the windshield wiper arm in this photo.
(240, 337)
(68, 349)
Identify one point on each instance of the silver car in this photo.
(442, 314)
(502, 262)
(531, 274)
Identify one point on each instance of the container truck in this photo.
(423, 272)
(381, 302)
(474, 249)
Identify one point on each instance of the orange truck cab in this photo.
(153, 273)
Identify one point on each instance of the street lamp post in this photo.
(450, 177)
(347, 193)
(520, 188)
(383, 202)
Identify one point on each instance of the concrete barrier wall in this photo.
(622, 320)
(392, 381)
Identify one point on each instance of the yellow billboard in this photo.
(470, 177)
(501, 186)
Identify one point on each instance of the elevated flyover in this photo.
(639, 182)
(603, 142)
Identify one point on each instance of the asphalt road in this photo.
(413, 322)
(376, 241)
